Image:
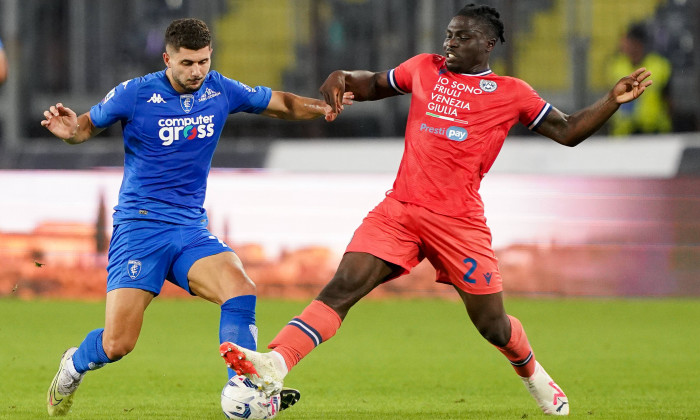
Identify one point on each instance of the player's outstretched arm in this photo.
(364, 85)
(63, 123)
(289, 106)
(571, 130)
(3, 66)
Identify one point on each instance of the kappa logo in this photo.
(217, 239)
(133, 268)
(156, 99)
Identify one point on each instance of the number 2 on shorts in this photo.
(472, 262)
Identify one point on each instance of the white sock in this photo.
(70, 367)
(281, 364)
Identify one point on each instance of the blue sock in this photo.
(238, 323)
(91, 355)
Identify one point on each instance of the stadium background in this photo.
(612, 217)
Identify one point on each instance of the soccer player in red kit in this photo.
(459, 117)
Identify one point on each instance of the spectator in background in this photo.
(3, 64)
(650, 112)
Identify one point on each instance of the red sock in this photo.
(316, 324)
(518, 350)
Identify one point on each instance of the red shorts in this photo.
(459, 248)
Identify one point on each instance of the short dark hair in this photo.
(487, 15)
(189, 33)
(638, 32)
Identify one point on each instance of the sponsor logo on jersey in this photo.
(488, 85)
(109, 95)
(208, 94)
(189, 128)
(156, 99)
(453, 133)
(133, 268)
(187, 102)
(248, 88)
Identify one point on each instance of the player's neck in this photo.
(177, 88)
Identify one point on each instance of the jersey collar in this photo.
(483, 73)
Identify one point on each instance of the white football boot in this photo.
(266, 370)
(60, 395)
(546, 392)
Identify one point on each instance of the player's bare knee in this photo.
(233, 281)
(233, 285)
(244, 286)
(116, 349)
(494, 332)
(494, 327)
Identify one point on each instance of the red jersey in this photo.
(457, 124)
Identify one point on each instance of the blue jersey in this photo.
(169, 141)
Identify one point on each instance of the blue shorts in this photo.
(143, 254)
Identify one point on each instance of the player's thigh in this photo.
(208, 267)
(460, 250)
(219, 277)
(140, 255)
(358, 274)
(386, 233)
(123, 319)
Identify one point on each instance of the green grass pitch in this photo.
(392, 359)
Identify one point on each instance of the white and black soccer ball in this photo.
(241, 399)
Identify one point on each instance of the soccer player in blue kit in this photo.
(171, 121)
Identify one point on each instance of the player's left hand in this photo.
(630, 87)
(347, 100)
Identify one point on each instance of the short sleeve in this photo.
(532, 108)
(243, 98)
(117, 105)
(401, 77)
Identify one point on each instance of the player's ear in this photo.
(490, 44)
(166, 59)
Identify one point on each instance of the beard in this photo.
(189, 88)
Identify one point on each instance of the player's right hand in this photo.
(333, 90)
(61, 121)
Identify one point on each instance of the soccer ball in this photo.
(241, 399)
